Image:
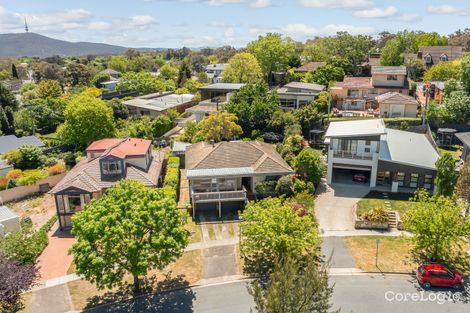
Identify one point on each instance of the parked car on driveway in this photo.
(430, 275)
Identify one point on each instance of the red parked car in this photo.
(438, 275)
(361, 178)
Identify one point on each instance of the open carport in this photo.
(344, 174)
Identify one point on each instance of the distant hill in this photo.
(35, 45)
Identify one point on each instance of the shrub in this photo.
(376, 215)
(171, 182)
(285, 186)
(173, 162)
(14, 174)
(3, 183)
(306, 199)
(310, 165)
(12, 157)
(30, 177)
(266, 187)
(171, 178)
(169, 192)
(56, 169)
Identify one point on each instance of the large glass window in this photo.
(111, 167)
(414, 180)
(400, 179)
(353, 93)
(288, 103)
(392, 77)
(428, 181)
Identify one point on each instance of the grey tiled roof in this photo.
(11, 142)
(389, 70)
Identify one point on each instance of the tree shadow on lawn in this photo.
(171, 295)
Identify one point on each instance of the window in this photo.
(392, 77)
(428, 59)
(428, 181)
(368, 142)
(414, 180)
(400, 179)
(444, 58)
(373, 92)
(367, 150)
(111, 167)
(288, 103)
(353, 93)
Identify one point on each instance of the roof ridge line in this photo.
(268, 156)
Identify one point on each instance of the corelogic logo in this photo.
(422, 296)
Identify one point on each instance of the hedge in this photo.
(173, 162)
(171, 182)
(30, 177)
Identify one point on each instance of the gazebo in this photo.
(445, 137)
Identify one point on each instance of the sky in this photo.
(212, 23)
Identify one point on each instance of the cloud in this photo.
(332, 29)
(299, 30)
(261, 4)
(377, 12)
(448, 9)
(409, 17)
(141, 21)
(222, 2)
(336, 4)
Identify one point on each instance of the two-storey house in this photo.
(295, 94)
(107, 162)
(214, 72)
(358, 93)
(389, 158)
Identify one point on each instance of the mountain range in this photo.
(35, 45)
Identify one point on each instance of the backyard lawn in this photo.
(393, 253)
(398, 201)
(39, 207)
(454, 150)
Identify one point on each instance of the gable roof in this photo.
(310, 66)
(11, 142)
(388, 70)
(408, 148)
(234, 158)
(452, 52)
(368, 127)
(395, 98)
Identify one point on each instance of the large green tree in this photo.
(457, 106)
(77, 74)
(86, 119)
(273, 53)
(443, 71)
(446, 177)
(465, 72)
(49, 88)
(439, 231)
(429, 39)
(243, 67)
(219, 126)
(271, 229)
(8, 105)
(391, 54)
(142, 82)
(254, 106)
(294, 286)
(309, 117)
(130, 230)
(324, 75)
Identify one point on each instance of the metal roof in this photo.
(389, 70)
(11, 142)
(160, 103)
(222, 86)
(6, 213)
(464, 138)
(236, 171)
(407, 148)
(180, 146)
(368, 127)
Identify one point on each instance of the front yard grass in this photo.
(195, 232)
(398, 201)
(185, 271)
(393, 253)
(453, 150)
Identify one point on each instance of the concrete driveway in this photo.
(334, 205)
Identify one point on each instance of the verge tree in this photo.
(294, 287)
(439, 231)
(130, 230)
(446, 177)
(272, 229)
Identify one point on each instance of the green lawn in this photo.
(398, 201)
(454, 150)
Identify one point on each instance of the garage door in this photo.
(345, 175)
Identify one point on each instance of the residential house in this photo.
(432, 55)
(373, 59)
(391, 159)
(358, 93)
(436, 91)
(110, 85)
(11, 142)
(394, 104)
(464, 138)
(214, 72)
(309, 67)
(115, 75)
(295, 94)
(108, 161)
(156, 104)
(9, 221)
(13, 85)
(226, 172)
(213, 99)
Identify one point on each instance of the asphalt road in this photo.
(358, 294)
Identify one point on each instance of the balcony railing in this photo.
(219, 195)
(350, 155)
